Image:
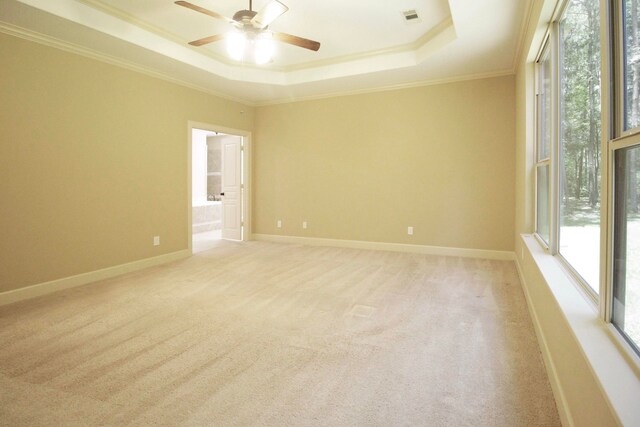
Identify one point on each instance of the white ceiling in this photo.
(365, 45)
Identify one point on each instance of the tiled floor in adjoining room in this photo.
(206, 240)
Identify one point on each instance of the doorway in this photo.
(218, 186)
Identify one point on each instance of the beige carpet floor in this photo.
(270, 334)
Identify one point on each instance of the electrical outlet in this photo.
(304, 224)
(410, 231)
(156, 240)
(279, 223)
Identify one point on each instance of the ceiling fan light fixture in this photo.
(251, 38)
(236, 44)
(264, 48)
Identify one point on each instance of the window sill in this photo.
(614, 367)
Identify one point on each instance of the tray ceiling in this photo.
(365, 45)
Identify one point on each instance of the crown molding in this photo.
(47, 40)
(50, 41)
(443, 28)
(126, 17)
(409, 54)
(525, 24)
(388, 88)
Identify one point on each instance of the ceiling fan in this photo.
(251, 26)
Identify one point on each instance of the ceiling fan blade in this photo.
(297, 41)
(207, 40)
(205, 11)
(268, 14)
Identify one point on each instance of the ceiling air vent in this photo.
(411, 16)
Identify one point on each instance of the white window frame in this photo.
(616, 138)
(551, 46)
(613, 360)
(546, 53)
(613, 138)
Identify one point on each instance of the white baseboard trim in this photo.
(382, 246)
(45, 288)
(556, 386)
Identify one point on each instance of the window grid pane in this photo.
(632, 63)
(626, 275)
(580, 130)
(542, 206)
(544, 107)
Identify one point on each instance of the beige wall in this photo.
(364, 167)
(93, 162)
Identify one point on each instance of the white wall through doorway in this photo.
(199, 165)
(206, 183)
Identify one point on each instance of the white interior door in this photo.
(231, 187)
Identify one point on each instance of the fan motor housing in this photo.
(244, 16)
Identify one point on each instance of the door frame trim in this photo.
(246, 176)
